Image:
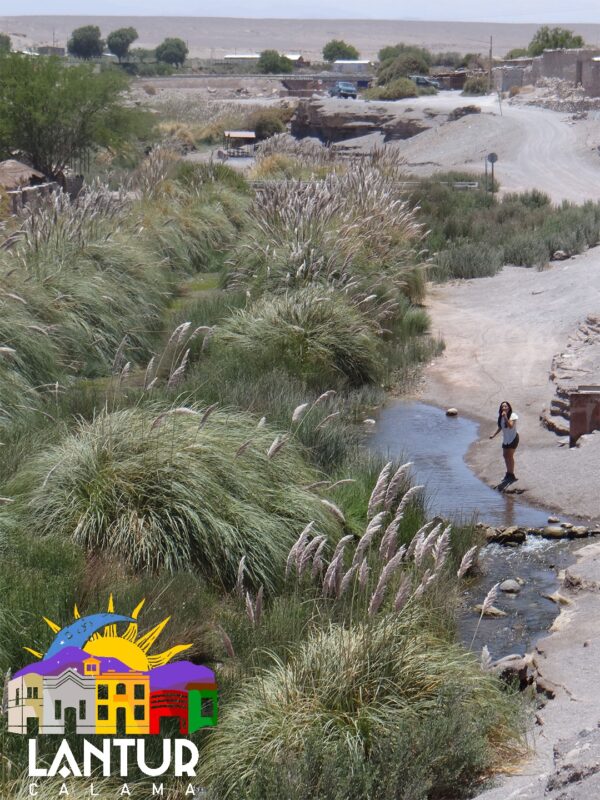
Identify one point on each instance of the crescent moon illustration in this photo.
(78, 633)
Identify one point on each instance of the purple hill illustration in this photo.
(69, 658)
(178, 675)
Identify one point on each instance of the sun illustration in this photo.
(97, 635)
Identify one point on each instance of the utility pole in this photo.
(490, 68)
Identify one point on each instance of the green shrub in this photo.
(163, 490)
(312, 333)
(476, 85)
(269, 121)
(397, 89)
(271, 61)
(466, 260)
(526, 250)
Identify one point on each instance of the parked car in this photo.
(343, 89)
(423, 80)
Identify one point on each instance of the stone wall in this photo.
(591, 78)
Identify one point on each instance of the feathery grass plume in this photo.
(403, 594)
(385, 575)
(250, 608)
(378, 494)
(172, 497)
(181, 410)
(485, 607)
(441, 549)
(308, 553)
(206, 414)
(486, 659)
(258, 605)
(335, 510)
(322, 398)
(418, 539)
(176, 377)
(239, 584)
(299, 412)
(385, 675)
(332, 575)
(366, 539)
(490, 598)
(327, 419)
(408, 497)
(363, 574)
(149, 375)
(426, 580)
(425, 544)
(317, 565)
(467, 562)
(276, 445)
(398, 479)
(346, 580)
(227, 643)
(298, 547)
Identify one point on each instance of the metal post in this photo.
(486, 174)
(492, 178)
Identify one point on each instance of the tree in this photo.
(86, 42)
(119, 41)
(548, 38)
(338, 49)
(401, 67)
(55, 114)
(393, 51)
(271, 62)
(516, 52)
(5, 44)
(172, 51)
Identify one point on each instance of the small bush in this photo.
(466, 260)
(526, 250)
(476, 85)
(268, 121)
(397, 89)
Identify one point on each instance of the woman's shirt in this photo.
(509, 434)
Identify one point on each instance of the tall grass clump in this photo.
(361, 712)
(353, 230)
(172, 490)
(313, 333)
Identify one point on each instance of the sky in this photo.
(549, 11)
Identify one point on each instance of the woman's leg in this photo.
(506, 453)
(509, 457)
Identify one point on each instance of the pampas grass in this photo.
(158, 491)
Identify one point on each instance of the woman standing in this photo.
(507, 424)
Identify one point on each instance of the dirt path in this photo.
(537, 148)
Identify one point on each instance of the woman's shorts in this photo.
(513, 445)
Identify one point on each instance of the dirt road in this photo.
(536, 148)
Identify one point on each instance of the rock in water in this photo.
(510, 586)
(452, 412)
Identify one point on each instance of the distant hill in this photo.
(214, 36)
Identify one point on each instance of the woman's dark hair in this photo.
(510, 411)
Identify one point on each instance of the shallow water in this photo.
(437, 445)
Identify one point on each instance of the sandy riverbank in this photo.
(501, 335)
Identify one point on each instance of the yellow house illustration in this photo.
(122, 700)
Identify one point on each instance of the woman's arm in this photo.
(495, 434)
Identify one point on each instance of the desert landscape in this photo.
(213, 37)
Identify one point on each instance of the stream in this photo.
(436, 445)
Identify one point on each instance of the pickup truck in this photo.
(343, 89)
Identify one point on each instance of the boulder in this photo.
(333, 120)
(512, 535)
(554, 532)
(510, 586)
(579, 531)
(452, 412)
(491, 611)
(551, 520)
(463, 111)
(559, 255)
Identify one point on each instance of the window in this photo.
(139, 712)
(102, 712)
(32, 692)
(139, 691)
(102, 691)
(35, 693)
(17, 697)
(121, 688)
(57, 709)
(82, 709)
(29, 693)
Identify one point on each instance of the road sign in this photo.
(492, 158)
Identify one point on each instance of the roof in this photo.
(351, 61)
(242, 55)
(240, 135)
(14, 174)
(293, 56)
